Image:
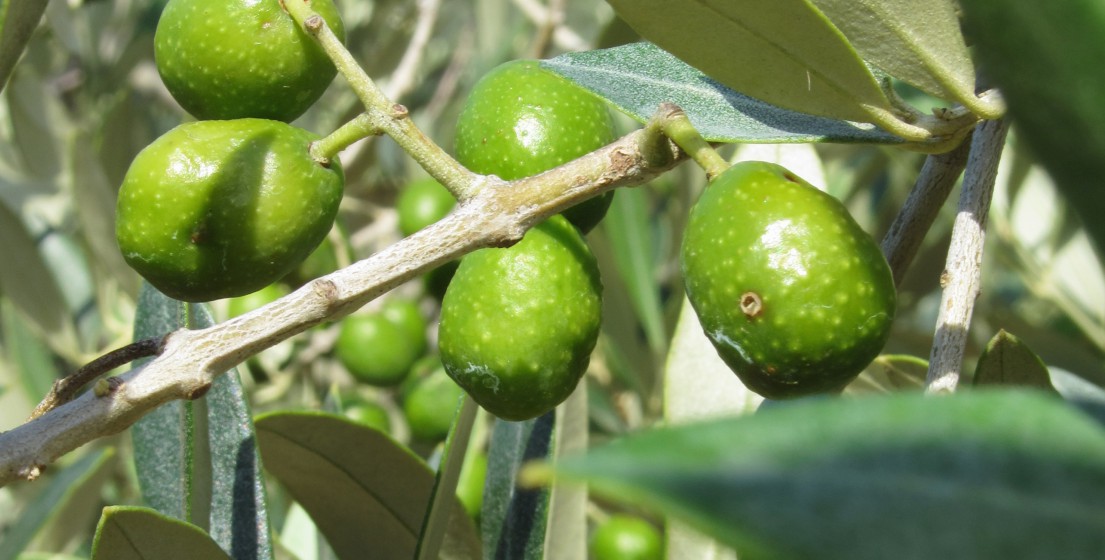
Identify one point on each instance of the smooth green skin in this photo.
(249, 302)
(437, 280)
(405, 314)
(423, 202)
(230, 59)
(369, 414)
(217, 209)
(623, 537)
(518, 324)
(431, 405)
(827, 294)
(320, 262)
(521, 120)
(376, 350)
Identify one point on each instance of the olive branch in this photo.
(491, 213)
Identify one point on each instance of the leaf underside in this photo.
(636, 78)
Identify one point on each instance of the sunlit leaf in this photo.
(916, 41)
(982, 474)
(890, 373)
(636, 78)
(1009, 361)
(439, 509)
(537, 524)
(135, 533)
(784, 52)
(697, 383)
(366, 493)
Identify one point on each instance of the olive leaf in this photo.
(916, 41)
(136, 533)
(785, 52)
(1045, 57)
(18, 20)
(197, 460)
(982, 474)
(366, 493)
(52, 499)
(636, 78)
(1008, 361)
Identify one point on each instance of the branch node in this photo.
(65, 389)
(327, 290)
(198, 392)
(399, 111)
(106, 386)
(313, 24)
(31, 473)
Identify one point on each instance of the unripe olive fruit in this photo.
(369, 414)
(624, 537)
(794, 295)
(405, 314)
(518, 324)
(521, 120)
(431, 405)
(229, 59)
(422, 203)
(256, 300)
(380, 348)
(217, 209)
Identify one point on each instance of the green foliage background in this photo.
(86, 98)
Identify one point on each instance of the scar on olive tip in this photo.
(199, 235)
(751, 304)
(790, 177)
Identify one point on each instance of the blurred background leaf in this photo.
(1019, 43)
(83, 475)
(18, 19)
(838, 468)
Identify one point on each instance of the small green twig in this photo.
(675, 124)
(382, 115)
(327, 148)
(66, 388)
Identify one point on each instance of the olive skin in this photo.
(518, 324)
(794, 295)
(217, 209)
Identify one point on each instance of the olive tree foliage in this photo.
(976, 434)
